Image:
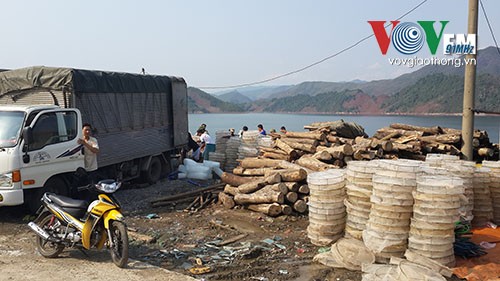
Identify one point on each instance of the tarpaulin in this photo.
(486, 267)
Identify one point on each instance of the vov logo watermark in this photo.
(408, 38)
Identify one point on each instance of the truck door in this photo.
(54, 149)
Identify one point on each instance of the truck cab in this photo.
(38, 148)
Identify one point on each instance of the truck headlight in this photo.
(6, 180)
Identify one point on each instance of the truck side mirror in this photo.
(28, 138)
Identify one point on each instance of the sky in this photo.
(222, 42)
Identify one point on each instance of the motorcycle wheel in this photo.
(46, 248)
(119, 239)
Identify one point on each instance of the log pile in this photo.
(273, 190)
(326, 146)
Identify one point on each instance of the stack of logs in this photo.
(256, 185)
(269, 186)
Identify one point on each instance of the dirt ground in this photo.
(188, 243)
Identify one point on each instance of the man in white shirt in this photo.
(207, 144)
(90, 150)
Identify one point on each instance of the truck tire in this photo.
(55, 185)
(153, 173)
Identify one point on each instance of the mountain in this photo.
(431, 89)
(201, 102)
(234, 97)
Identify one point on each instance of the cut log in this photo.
(233, 180)
(486, 152)
(272, 155)
(363, 142)
(286, 210)
(291, 197)
(259, 197)
(347, 159)
(273, 150)
(259, 163)
(271, 210)
(250, 172)
(288, 165)
(333, 139)
(292, 186)
(386, 145)
(258, 184)
(300, 206)
(452, 131)
(314, 164)
(280, 187)
(383, 132)
(229, 189)
(346, 149)
(338, 163)
(427, 130)
(189, 194)
(323, 155)
(315, 135)
(289, 175)
(284, 147)
(299, 146)
(306, 141)
(445, 138)
(304, 189)
(226, 200)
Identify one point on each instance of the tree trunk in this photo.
(261, 196)
(305, 141)
(234, 180)
(286, 210)
(273, 150)
(291, 197)
(250, 172)
(300, 206)
(292, 186)
(314, 164)
(446, 138)
(345, 149)
(255, 185)
(271, 210)
(229, 189)
(427, 130)
(288, 165)
(323, 155)
(315, 135)
(272, 155)
(283, 146)
(300, 146)
(258, 163)
(289, 175)
(304, 189)
(226, 200)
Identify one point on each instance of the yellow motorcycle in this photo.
(66, 222)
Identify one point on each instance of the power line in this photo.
(489, 26)
(312, 64)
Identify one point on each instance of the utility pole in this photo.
(469, 88)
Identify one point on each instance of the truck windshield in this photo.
(10, 127)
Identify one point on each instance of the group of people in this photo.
(204, 144)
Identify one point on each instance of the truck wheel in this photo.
(55, 185)
(153, 174)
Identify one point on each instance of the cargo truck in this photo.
(141, 123)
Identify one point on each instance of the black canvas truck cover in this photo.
(147, 114)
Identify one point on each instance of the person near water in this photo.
(262, 132)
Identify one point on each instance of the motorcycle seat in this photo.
(66, 202)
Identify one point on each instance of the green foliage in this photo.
(325, 102)
(440, 93)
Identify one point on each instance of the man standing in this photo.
(207, 145)
(90, 150)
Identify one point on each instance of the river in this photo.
(296, 122)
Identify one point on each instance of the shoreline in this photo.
(352, 114)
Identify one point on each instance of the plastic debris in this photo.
(152, 216)
(200, 270)
(324, 249)
(283, 271)
(487, 245)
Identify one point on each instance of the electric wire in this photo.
(489, 26)
(312, 64)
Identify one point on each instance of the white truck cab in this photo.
(37, 144)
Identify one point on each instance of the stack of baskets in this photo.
(359, 189)
(483, 208)
(436, 209)
(327, 213)
(386, 233)
(494, 167)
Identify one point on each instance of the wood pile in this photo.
(295, 154)
(199, 198)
